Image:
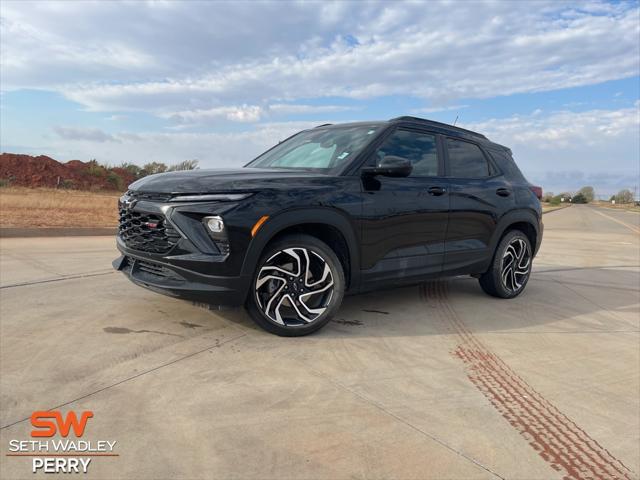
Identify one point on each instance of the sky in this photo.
(220, 82)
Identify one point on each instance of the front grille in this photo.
(146, 232)
(153, 197)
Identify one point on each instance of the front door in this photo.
(405, 219)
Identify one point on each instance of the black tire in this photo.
(296, 296)
(501, 280)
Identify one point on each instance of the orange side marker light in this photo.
(258, 224)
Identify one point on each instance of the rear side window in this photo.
(420, 148)
(507, 164)
(466, 160)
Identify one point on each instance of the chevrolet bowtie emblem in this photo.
(127, 201)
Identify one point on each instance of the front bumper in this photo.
(166, 248)
(169, 279)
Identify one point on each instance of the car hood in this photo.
(220, 180)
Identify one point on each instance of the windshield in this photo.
(321, 149)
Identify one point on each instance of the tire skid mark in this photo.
(556, 438)
(570, 431)
(522, 391)
(471, 352)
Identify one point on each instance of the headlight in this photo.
(211, 197)
(214, 224)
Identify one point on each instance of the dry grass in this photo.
(624, 206)
(44, 207)
(547, 207)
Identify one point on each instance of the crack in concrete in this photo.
(398, 418)
(50, 280)
(132, 377)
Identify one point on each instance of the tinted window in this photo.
(466, 160)
(420, 148)
(507, 165)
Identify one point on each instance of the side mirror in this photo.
(390, 166)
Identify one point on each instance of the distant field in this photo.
(44, 207)
(625, 206)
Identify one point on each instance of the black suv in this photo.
(332, 210)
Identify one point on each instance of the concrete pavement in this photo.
(433, 381)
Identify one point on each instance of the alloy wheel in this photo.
(294, 287)
(516, 265)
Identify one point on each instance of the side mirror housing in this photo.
(390, 166)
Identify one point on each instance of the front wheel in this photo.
(298, 286)
(511, 266)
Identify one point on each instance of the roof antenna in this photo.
(454, 122)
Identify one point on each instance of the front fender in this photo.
(300, 216)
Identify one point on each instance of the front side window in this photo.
(419, 148)
(466, 160)
(325, 149)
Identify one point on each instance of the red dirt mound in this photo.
(43, 171)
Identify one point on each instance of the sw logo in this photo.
(61, 454)
(45, 425)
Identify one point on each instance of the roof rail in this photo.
(323, 125)
(424, 121)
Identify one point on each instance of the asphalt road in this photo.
(434, 381)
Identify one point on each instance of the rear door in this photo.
(405, 219)
(480, 195)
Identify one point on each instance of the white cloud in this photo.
(135, 39)
(446, 108)
(563, 129)
(296, 109)
(214, 150)
(250, 113)
(86, 134)
(566, 150)
(242, 113)
(251, 53)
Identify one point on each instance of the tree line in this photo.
(586, 195)
(152, 168)
(114, 175)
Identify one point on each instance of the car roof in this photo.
(433, 123)
(439, 127)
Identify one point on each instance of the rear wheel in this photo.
(511, 266)
(298, 286)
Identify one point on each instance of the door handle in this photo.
(437, 191)
(503, 192)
